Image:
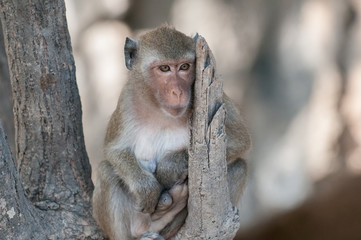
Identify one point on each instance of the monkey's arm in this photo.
(142, 185)
(238, 137)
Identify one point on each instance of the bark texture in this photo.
(211, 214)
(6, 106)
(18, 220)
(49, 152)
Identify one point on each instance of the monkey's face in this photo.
(171, 82)
(164, 58)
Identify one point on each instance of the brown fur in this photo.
(129, 199)
(171, 45)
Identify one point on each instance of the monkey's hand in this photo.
(170, 204)
(146, 191)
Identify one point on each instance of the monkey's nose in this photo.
(176, 92)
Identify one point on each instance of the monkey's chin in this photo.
(174, 112)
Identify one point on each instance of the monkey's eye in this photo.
(164, 68)
(184, 66)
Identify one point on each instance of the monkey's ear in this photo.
(130, 52)
(195, 37)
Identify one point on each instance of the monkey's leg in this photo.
(111, 204)
(114, 208)
(236, 177)
(172, 168)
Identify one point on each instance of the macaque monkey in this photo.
(142, 191)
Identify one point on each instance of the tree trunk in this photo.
(211, 214)
(50, 154)
(19, 219)
(6, 106)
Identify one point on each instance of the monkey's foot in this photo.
(151, 236)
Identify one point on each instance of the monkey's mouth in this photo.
(174, 111)
(178, 104)
(176, 107)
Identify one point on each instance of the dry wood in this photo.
(211, 214)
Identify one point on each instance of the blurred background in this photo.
(293, 66)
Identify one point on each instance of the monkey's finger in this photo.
(184, 193)
(179, 192)
(183, 179)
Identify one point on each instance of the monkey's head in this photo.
(165, 60)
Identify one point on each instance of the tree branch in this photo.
(211, 214)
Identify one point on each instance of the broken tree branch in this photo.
(211, 214)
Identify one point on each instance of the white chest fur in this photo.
(150, 144)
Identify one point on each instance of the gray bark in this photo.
(6, 106)
(50, 154)
(19, 219)
(211, 214)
